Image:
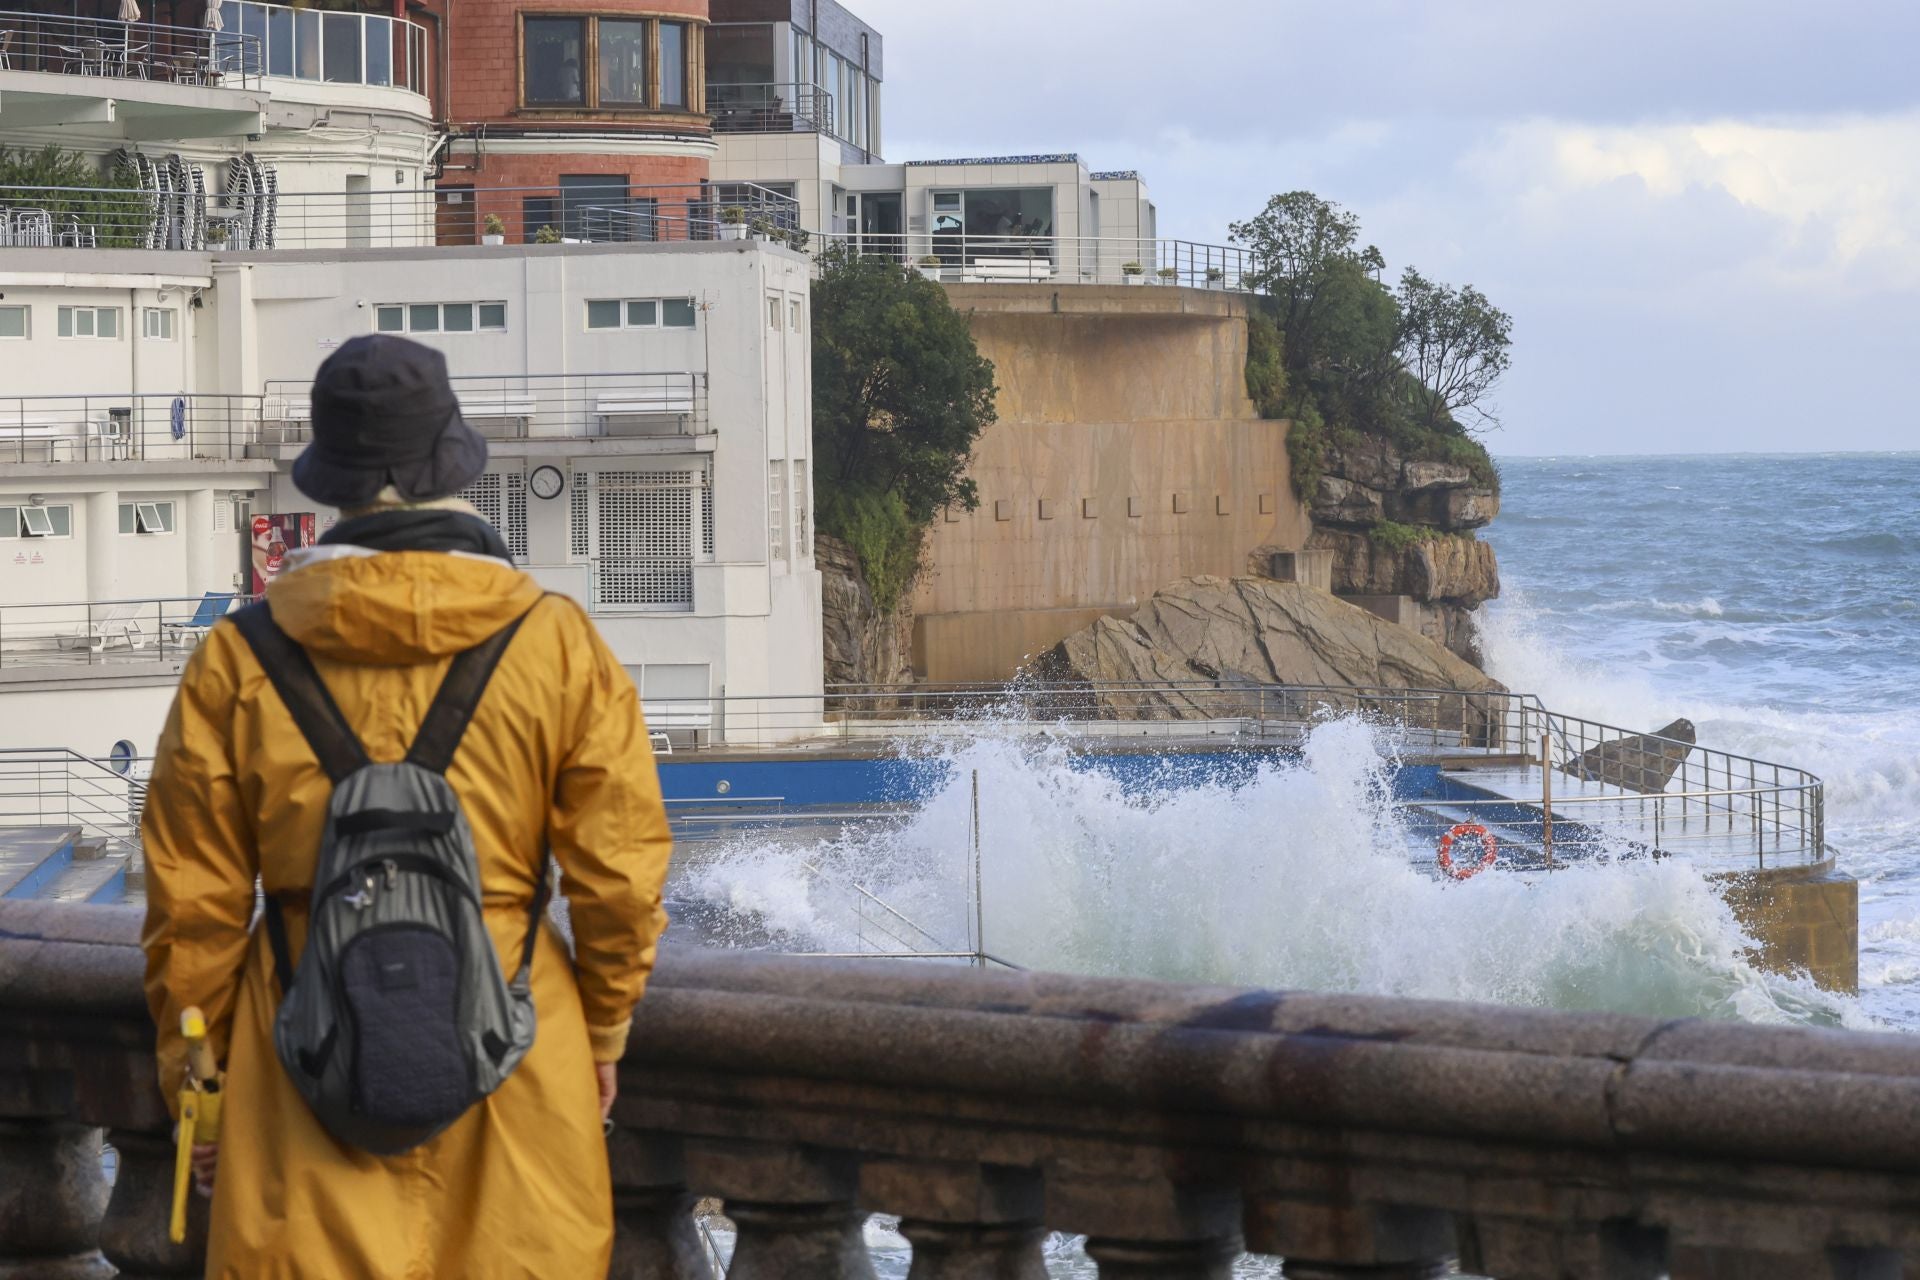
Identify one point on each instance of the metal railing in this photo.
(1699, 801)
(102, 632)
(959, 257)
(57, 787)
(770, 108)
(300, 43)
(535, 406)
(107, 49)
(250, 220)
(126, 426)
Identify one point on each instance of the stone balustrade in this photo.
(1175, 1126)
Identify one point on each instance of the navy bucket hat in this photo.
(384, 414)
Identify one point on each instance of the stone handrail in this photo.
(1175, 1126)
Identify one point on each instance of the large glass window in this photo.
(341, 36)
(740, 53)
(379, 49)
(555, 61)
(623, 62)
(673, 65)
(280, 41)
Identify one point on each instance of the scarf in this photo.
(420, 530)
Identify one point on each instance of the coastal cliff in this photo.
(1402, 529)
(863, 644)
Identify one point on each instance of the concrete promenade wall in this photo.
(1126, 455)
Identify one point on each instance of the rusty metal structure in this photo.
(1177, 1127)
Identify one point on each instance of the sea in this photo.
(1772, 600)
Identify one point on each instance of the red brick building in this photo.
(585, 116)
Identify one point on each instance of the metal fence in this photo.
(101, 47)
(125, 426)
(54, 787)
(958, 257)
(770, 108)
(536, 406)
(99, 632)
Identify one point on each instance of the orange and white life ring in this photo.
(1489, 849)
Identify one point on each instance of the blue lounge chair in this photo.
(213, 607)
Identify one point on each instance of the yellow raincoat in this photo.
(556, 753)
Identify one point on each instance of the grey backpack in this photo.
(397, 1018)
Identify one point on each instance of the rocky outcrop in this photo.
(1644, 763)
(1445, 568)
(863, 644)
(1247, 631)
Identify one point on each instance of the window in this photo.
(673, 65)
(157, 322)
(14, 323)
(146, 517)
(802, 535)
(776, 510)
(501, 499)
(340, 48)
(773, 311)
(553, 60)
(643, 531)
(623, 62)
(793, 316)
(602, 63)
(640, 313)
(89, 322)
(440, 317)
(36, 522)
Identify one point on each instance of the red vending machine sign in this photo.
(273, 537)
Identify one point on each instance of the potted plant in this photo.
(1133, 273)
(1215, 277)
(799, 239)
(733, 223)
(1168, 275)
(761, 226)
(930, 267)
(546, 235)
(493, 230)
(216, 235)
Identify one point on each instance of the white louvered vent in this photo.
(579, 532)
(501, 498)
(643, 531)
(776, 511)
(802, 532)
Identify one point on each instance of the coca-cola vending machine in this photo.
(273, 537)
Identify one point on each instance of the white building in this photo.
(649, 410)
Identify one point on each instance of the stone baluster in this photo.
(52, 1193)
(654, 1233)
(134, 1234)
(793, 1208)
(965, 1221)
(1323, 1240)
(1150, 1227)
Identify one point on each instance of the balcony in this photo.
(959, 257)
(301, 43)
(98, 633)
(140, 80)
(156, 211)
(770, 108)
(127, 427)
(632, 408)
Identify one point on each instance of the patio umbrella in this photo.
(129, 10)
(211, 19)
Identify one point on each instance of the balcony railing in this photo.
(302, 43)
(1176, 1127)
(259, 218)
(113, 50)
(126, 426)
(535, 406)
(770, 108)
(106, 632)
(957, 257)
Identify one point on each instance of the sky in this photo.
(1703, 215)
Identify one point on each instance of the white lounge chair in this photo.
(108, 626)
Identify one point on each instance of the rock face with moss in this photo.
(1400, 526)
(864, 644)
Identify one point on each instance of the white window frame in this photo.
(406, 310)
(20, 527)
(776, 309)
(69, 320)
(626, 306)
(160, 317)
(26, 323)
(148, 518)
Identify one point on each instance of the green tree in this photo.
(900, 393)
(1305, 262)
(1456, 344)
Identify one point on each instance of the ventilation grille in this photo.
(501, 498)
(644, 526)
(802, 533)
(580, 536)
(776, 510)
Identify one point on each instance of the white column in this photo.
(197, 529)
(103, 544)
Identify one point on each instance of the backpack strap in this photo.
(299, 685)
(321, 723)
(460, 691)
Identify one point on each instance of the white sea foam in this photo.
(1300, 877)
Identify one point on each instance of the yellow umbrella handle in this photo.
(183, 1164)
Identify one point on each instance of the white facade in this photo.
(681, 440)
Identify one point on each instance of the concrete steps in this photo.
(94, 875)
(32, 858)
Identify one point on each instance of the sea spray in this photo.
(1301, 875)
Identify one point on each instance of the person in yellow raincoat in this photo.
(556, 756)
